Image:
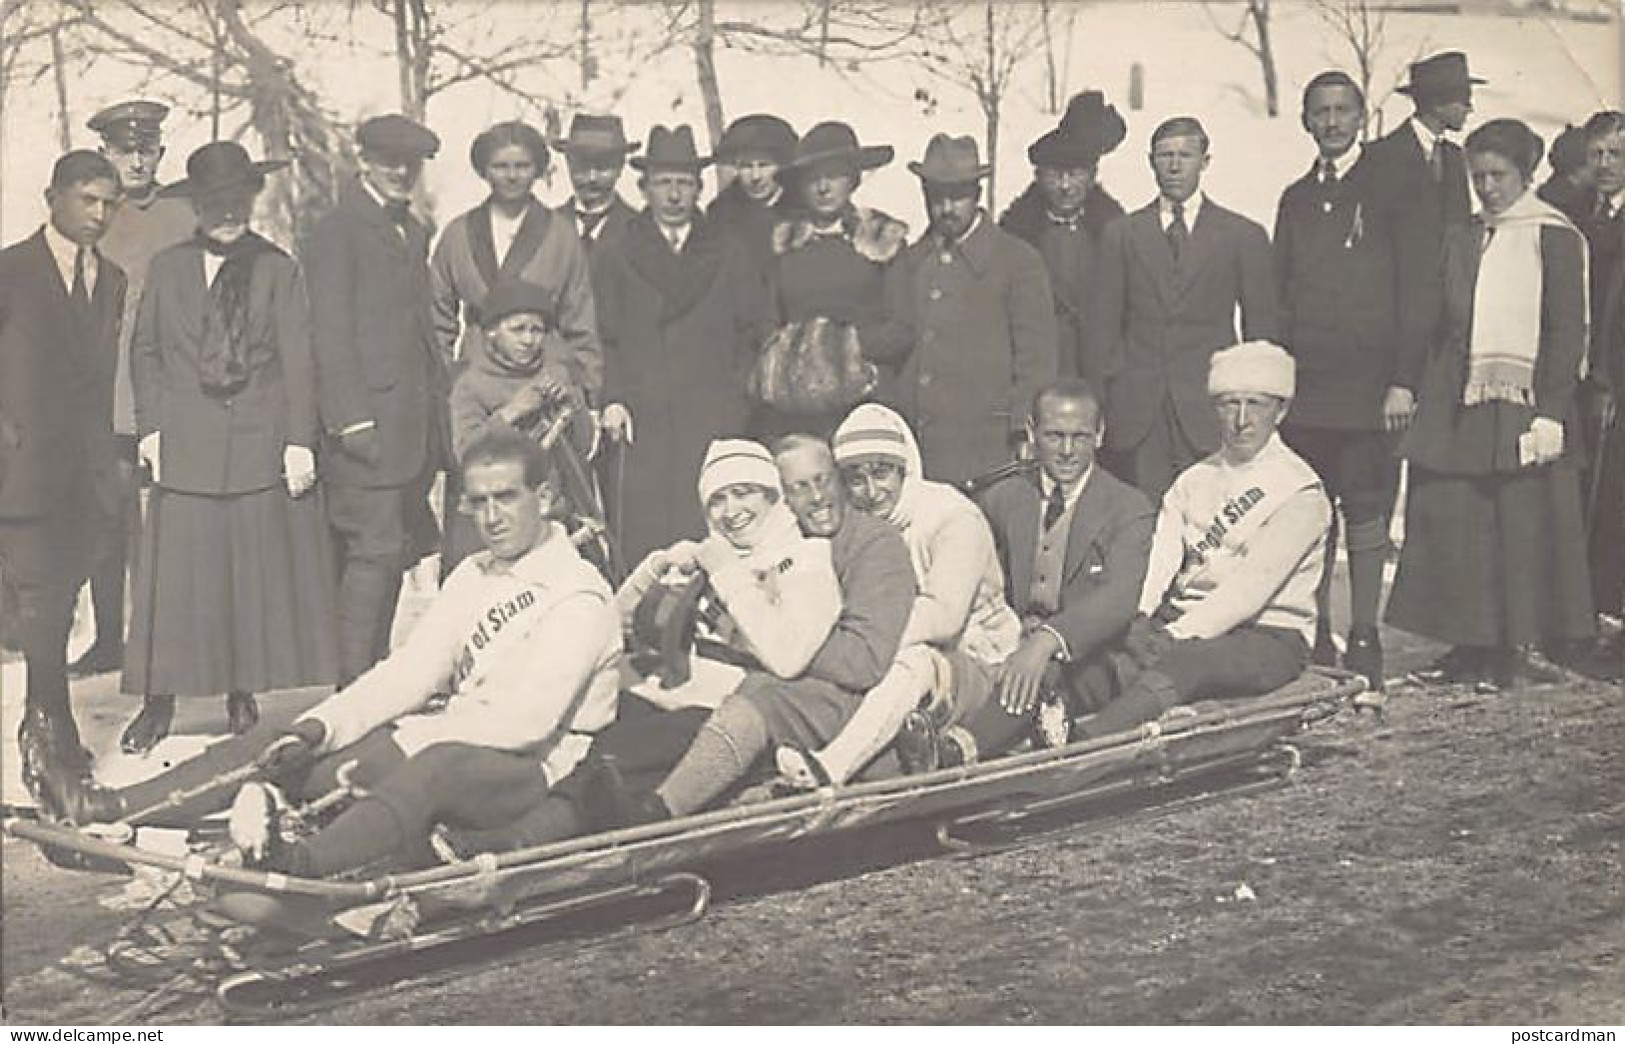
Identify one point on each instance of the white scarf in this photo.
(1507, 303)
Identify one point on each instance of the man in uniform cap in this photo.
(1228, 605)
(985, 322)
(380, 381)
(132, 139)
(1064, 212)
(595, 153)
(1171, 277)
(758, 148)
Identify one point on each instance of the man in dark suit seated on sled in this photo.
(494, 696)
(1073, 542)
(1228, 606)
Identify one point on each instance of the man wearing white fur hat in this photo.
(1228, 606)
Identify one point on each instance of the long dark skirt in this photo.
(234, 594)
(1494, 560)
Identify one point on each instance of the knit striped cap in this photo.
(871, 431)
(730, 461)
(1252, 366)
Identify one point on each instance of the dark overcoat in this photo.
(374, 341)
(679, 332)
(984, 344)
(1336, 265)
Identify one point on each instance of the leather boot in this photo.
(150, 726)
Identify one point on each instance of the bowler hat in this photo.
(834, 141)
(221, 165)
(397, 137)
(1443, 75)
(130, 123)
(594, 136)
(759, 134)
(671, 149)
(1089, 130)
(951, 161)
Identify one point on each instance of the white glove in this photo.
(617, 420)
(149, 452)
(298, 469)
(1542, 443)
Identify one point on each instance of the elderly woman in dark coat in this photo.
(235, 589)
(1494, 557)
(837, 284)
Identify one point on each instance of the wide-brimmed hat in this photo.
(1090, 129)
(671, 148)
(594, 136)
(396, 137)
(1441, 75)
(759, 134)
(951, 161)
(221, 165)
(834, 141)
(130, 123)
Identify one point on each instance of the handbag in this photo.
(814, 366)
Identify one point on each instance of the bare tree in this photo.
(978, 48)
(1362, 26)
(1058, 27)
(28, 31)
(1253, 34)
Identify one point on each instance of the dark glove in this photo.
(363, 445)
(1148, 641)
(293, 752)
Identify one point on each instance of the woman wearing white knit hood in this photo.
(961, 628)
(776, 587)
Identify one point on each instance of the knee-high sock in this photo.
(729, 742)
(554, 819)
(875, 723)
(1368, 553)
(1323, 593)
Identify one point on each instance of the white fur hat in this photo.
(1253, 366)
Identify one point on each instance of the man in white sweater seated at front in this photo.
(1228, 607)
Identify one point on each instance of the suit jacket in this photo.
(1158, 321)
(1423, 210)
(1606, 240)
(212, 444)
(1336, 265)
(610, 233)
(56, 381)
(374, 340)
(1107, 551)
(986, 341)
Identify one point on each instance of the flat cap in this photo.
(394, 135)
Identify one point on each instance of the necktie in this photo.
(1436, 161)
(1178, 232)
(81, 290)
(591, 223)
(1054, 507)
(1605, 209)
(1328, 172)
(401, 215)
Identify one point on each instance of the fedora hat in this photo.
(759, 134)
(220, 165)
(951, 161)
(671, 149)
(594, 136)
(834, 141)
(1440, 76)
(1090, 129)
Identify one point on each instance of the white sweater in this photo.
(1240, 544)
(526, 652)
